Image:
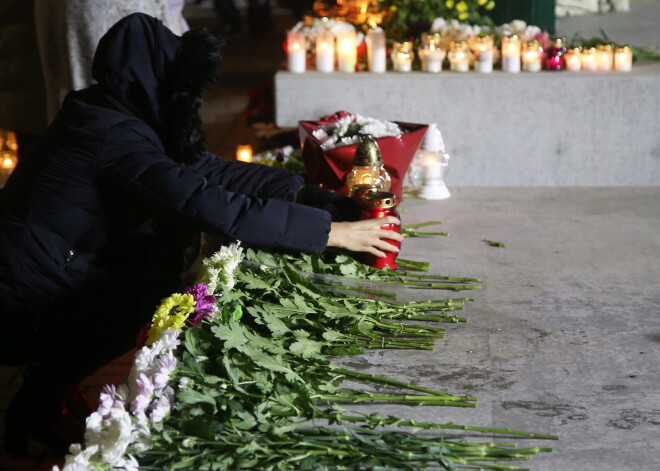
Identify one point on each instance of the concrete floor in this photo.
(563, 338)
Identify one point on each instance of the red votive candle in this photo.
(554, 55)
(379, 204)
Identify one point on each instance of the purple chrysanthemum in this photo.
(204, 303)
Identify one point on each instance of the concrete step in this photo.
(502, 129)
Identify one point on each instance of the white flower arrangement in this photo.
(318, 25)
(348, 130)
(456, 31)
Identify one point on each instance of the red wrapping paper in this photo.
(328, 168)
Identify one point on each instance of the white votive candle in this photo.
(588, 60)
(296, 51)
(511, 54)
(376, 51)
(325, 52)
(623, 58)
(573, 60)
(244, 153)
(346, 51)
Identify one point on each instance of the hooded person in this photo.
(94, 219)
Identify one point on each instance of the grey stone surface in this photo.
(543, 129)
(564, 335)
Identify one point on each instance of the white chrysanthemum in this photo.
(220, 267)
(129, 463)
(116, 436)
(162, 371)
(79, 459)
(161, 409)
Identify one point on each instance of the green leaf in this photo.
(306, 348)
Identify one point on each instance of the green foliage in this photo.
(406, 19)
(260, 392)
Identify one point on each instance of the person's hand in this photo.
(365, 236)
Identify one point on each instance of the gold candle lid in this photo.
(379, 199)
(367, 152)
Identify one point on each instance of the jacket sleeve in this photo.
(240, 209)
(259, 180)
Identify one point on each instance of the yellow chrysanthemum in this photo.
(482, 2)
(461, 6)
(449, 3)
(463, 15)
(490, 5)
(172, 312)
(393, 8)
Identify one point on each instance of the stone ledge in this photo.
(527, 129)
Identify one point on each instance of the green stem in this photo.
(421, 224)
(370, 378)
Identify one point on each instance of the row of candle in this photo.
(515, 55)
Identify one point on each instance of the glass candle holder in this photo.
(368, 168)
(623, 57)
(325, 51)
(511, 53)
(531, 56)
(402, 56)
(376, 50)
(430, 53)
(482, 46)
(604, 57)
(588, 59)
(296, 51)
(554, 55)
(375, 205)
(244, 153)
(346, 51)
(459, 59)
(573, 59)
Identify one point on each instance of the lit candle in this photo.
(244, 153)
(346, 51)
(554, 55)
(458, 57)
(376, 51)
(296, 51)
(8, 161)
(483, 50)
(531, 56)
(573, 59)
(511, 53)
(402, 56)
(430, 53)
(604, 58)
(588, 59)
(325, 51)
(623, 57)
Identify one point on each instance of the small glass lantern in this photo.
(573, 59)
(434, 165)
(588, 59)
(244, 153)
(604, 57)
(402, 56)
(368, 168)
(430, 52)
(459, 58)
(482, 47)
(623, 57)
(532, 56)
(511, 53)
(554, 56)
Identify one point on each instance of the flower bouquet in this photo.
(329, 144)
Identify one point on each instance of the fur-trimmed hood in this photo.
(160, 77)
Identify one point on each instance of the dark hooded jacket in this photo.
(121, 178)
